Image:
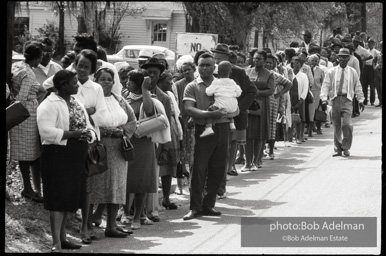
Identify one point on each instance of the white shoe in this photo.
(232, 126)
(207, 132)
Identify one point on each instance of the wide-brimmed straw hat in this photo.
(153, 62)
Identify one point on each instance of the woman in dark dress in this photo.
(258, 130)
(64, 128)
(141, 172)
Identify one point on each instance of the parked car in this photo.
(17, 56)
(129, 53)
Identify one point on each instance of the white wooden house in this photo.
(156, 25)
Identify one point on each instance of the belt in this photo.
(343, 95)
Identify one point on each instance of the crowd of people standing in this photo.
(222, 108)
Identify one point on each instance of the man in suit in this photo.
(307, 37)
(340, 84)
(249, 92)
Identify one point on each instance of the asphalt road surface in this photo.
(303, 181)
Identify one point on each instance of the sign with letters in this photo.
(191, 43)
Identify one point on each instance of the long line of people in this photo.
(217, 104)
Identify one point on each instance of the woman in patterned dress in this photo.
(64, 128)
(25, 142)
(110, 187)
(258, 130)
(282, 85)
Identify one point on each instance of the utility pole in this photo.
(61, 29)
(363, 17)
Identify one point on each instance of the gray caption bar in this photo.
(308, 232)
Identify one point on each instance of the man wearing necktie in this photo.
(340, 84)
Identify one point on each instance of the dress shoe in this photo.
(233, 173)
(379, 105)
(339, 153)
(155, 219)
(191, 215)
(115, 234)
(346, 152)
(70, 246)
(210, 212)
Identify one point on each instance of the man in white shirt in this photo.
(340, 84)
(365, 54)
(368, 73)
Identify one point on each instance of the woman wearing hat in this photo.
(166, 172)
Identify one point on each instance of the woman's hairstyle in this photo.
(234, 48)
(263, 53)
(47, 41)
(99, 72)
(32, 50)
(279, 57)
(89, 54)
(191, 64)
(242, 55)
(233, 57)
(273, 57)
(101, 52)
(62, 77)
(198, 54)
(70, 55)
(125, 69)
(85, 41)
(182, 60)
(137, 77)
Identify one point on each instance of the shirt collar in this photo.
(199, 79)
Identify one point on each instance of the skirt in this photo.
(110, 187)
(141, 171)
(240, 136)
(63, 174)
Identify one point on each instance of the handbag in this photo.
(355, 107)
(16, 113)
(255, 108)
(96, 158)
(296, 118)
(128, 149)
(151, 124)
(320, 115)
(310, 97)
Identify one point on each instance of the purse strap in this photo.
(96, 135)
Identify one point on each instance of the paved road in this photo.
(304, 181)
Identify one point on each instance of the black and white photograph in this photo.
(156, 127)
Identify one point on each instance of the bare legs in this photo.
(58, 228)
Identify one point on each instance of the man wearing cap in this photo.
(249, 91)
(340, 84)
(154, 68)
(368, 73)
(209, 152)
(307, 36)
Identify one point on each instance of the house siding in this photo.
(134, 29)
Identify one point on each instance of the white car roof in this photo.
(144, 47)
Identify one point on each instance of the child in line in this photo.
(225, 92)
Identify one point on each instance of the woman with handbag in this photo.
(110, 187)
(258, 130)
(90, 94)
(141, 172)
(64, 128)
(318, 74)
(24, 138)
(298, 94)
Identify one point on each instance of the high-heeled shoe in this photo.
(97, 222)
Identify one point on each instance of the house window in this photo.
(160, 30)
(20, 24)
